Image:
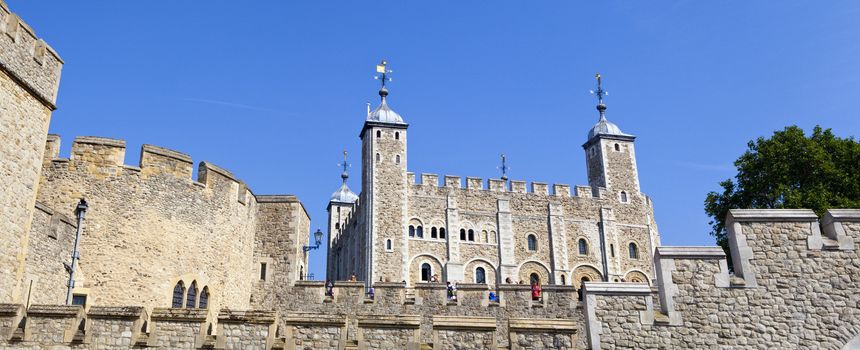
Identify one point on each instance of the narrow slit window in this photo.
(263, 271)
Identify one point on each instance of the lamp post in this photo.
(318, 237)
(80, 211)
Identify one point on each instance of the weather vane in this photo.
(345, 166)
(382, 69)
(504, 168)
(599, 92)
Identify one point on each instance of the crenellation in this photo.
(518, 186)
(453, 181)
(540, 188)
(98, 155)
(52, 324)
(52, 148)
(561, 190)
(474, 183)
(410, 178)
(28, 59)
(156, 160)
(583, 191)
(430, 180)
(496, 185)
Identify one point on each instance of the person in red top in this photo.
(535, 291)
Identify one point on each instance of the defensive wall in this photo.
(151, 226)
(29, 79)
(796, 284)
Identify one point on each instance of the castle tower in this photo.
(341, 205)
(383, 190)
(611, 162)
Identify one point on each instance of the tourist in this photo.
(493, 297)
(371, 293)
(353, 278)
(452, 291)
(434, 278)
(329, 289)
(509, 281)
(535, 291)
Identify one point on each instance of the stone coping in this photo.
(55, 311)
(386, 321)
(96, 140)
(179, 315)
(166, 152)
(557, 288)
(616, 288)
(691, 252)
(390, 285)
(277, 198)
(513, 287)
(315, 319)
(537, 325)
(348, 284)
(219, 170)
(766, 215)
(430, 285)
(464, 322)
(832, 215)
(11, 309)
(117, 312)
(309, 284)
(250, 316)
(472, 286)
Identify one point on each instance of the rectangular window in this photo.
(263, 271)
(79, 299)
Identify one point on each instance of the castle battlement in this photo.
(783, 267)
(28, 59)
(105, 157)
(499, 185)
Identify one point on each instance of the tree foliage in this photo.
(789, 170)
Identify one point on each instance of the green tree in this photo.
(789, 170)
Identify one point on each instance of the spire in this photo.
(504, 168)
(600, 93)
(345, 165)
(382, 69)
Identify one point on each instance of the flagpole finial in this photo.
(601, 107)
(345, 165)
(383, 77)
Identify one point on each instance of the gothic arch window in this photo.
(397, 136)
(633, 251)
(388, 244)
(378, 133)
(623, 197)
(204, 298)
(583, 247)
(191, 300)
(419, 231)
(462, 234)
(178, 295)
(442, 232)
(411, 231)
(471, 235)
(532, 242)
(434, 233)
(480, 275)
(426, 272)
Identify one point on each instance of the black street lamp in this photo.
(318, 237)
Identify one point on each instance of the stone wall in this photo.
(51, 242)
(29, 78)
(795, 285)
(150, 226)
(282, 230)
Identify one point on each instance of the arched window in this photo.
(485, 237)
(442, 232)
(583, 247)
(462, 234)
(191, 300)
(426, 272)
(480, 275)
(633, 250)
(388, 244)
(178, 295)
(492, 236)
(623, 197)
(433, 233)
(617, 147)
(378, 134)
(534, 278)
(419, 231)
(377, 157)
(532, 241)
(397, 136)
(204, 298)
(397, 159)
(411, 231)
(471, 235)
(562, 280)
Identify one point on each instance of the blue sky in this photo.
(275, 90)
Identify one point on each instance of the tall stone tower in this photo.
(611, 161)
(29, 79)
(341, 206)
(383, 190)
